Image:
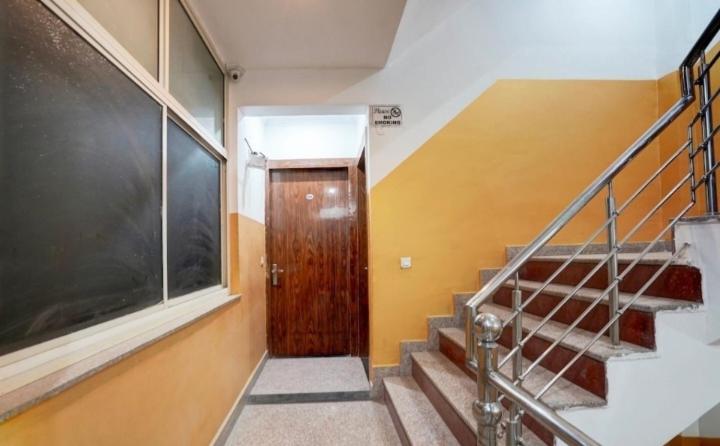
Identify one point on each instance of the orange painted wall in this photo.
(176, 392)
(495, 176)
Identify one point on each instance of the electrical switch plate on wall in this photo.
(405, 262)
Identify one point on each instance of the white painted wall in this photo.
(671, 394)
(678, 25)
(298, 136)
(677, 384)
(447, 56)
(709, 424)
(448, 52)
(704, 239)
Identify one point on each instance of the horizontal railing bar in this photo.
(580, 202)
(708, 104)
(702, 179)
(597, 268)
(705, 141)
(617, 316)
(708, 66)
(607, 290)
(557, 307)
(664, 166)
(541, 412)
(654, 209)
(695, 119)
(694, 153)
(560, 269)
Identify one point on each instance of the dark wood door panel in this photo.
(308, 239)
(362, 248)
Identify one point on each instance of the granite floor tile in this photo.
(319, 424)
(311, 375)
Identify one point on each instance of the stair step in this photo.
(452, 393)
(644, 302)
(589, 371)
(651, 258)
(678, 281)
(563, 395)
(416, 420)
(637, 325)
(602, 350)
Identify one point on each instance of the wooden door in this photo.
(309, 241)
(362, 249)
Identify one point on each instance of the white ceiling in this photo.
(263, 34)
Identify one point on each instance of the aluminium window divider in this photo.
(163, 44)
(164, 201)
(75, 16)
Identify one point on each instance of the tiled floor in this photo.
(311, 375)
(358, 423)
(302, 423)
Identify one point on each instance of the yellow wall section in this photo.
(494, 176)
(176, 392)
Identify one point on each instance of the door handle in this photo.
(274, 274)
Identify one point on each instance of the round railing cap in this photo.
(488, 327)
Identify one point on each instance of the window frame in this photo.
(24, 365)
(165, 31)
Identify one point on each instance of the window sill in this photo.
(31, 380)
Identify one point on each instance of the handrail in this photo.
(701, 44)
(540, 411)
(596, 186)
(565, 216)
(688, 97)
(579, 203)
(484, 330)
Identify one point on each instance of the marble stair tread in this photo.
(602, 349)
(651, 258)
(642, 303)
(562, 395)
(457, 388)
(419, 419)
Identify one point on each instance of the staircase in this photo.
(434, 405)
(598, 344)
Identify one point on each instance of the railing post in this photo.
(711, 205)
(514, 427)
(691, 147)
(614, 297)
(487, 409)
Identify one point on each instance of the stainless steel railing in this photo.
(483, 330)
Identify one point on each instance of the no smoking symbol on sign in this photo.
(386, 116)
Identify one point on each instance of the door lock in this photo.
(274, 274)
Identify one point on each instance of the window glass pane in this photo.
(134, 23)
(80, 183)
(194, 253)
(195, 79)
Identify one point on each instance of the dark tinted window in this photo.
(80, 183)
(194, 256)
